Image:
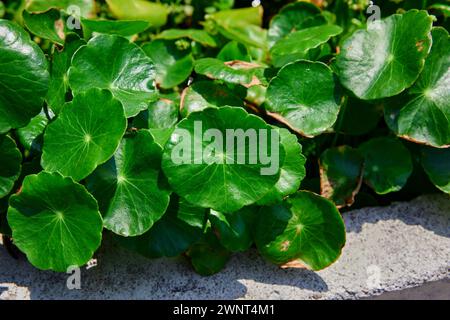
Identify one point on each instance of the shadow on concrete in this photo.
(433, 214)
(124, 275)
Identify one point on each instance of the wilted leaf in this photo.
(207, 94)
(341, 171)
(11, 160)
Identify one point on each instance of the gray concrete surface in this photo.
(391, 248)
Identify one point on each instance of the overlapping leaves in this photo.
(131, 118)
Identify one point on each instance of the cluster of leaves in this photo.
(90, 99)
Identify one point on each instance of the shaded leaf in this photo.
(207, 94)
(234, 50)
(181, 226)
(11, 160)
(160, 118)
(47, 25)
(294, 17)
(296, 45)
(234, 229)
(358, 117)
(29, 135)
(436, 163)
(341, 171)
(173, 65)
(59, 83)
(388, 164)
(196, 35)
(208, 256)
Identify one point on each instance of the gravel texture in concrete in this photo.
(388, 248)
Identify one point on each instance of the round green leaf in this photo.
(293, 17)
(341, 171)
(304, 96)
(388, 164)
(234, 229)
(55, 222)
(173, 65)
(181, 226)
(59, 84)
(436, 163)
(196, 35)
(112, 62)
(387, 58)
(244, 73)
(86, 7)
(207, 94)
(127, 187)
(30, 136)
(24, 77)
(202, 169)
(292, 170)
(11, 160)
(208, 256)
(124, 28)
(86, 134)
(425, 117)
(234, 51)
(296, 45)
(155, 13)
(305, 228)
(46, 25)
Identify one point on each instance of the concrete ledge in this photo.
(388, 248)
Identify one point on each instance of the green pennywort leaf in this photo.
(112, 62)
(305, 230)
(387, 57)
(304, 95)
(25, 77)
(86, 134)
(55, 222)
(127, 186)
